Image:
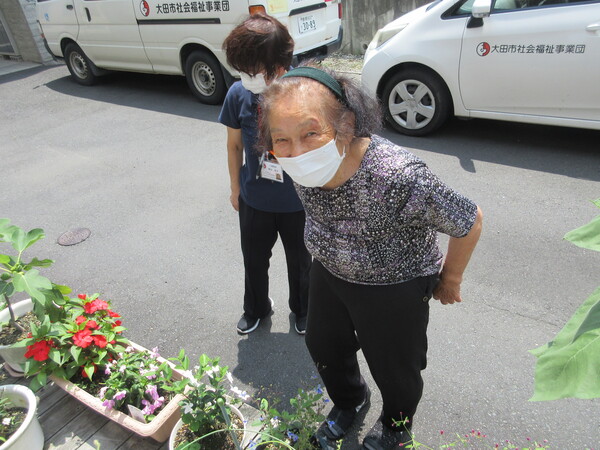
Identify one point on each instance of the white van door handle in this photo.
(69, 7)
(593, 27)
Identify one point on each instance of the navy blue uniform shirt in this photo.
(240, 111)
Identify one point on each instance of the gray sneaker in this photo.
(248, 324)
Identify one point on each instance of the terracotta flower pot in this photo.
(15, 356)
(158, 429)
(179, 424)
(29, 436)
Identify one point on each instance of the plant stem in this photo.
(13, 319)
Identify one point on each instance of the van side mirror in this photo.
(480, 9)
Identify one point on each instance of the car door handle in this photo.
(593, 27)
(69, 7)
(87, 13)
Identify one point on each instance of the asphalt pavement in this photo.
(141, 164)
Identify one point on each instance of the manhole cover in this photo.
(74, 236)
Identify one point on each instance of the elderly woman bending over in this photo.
(373, 211)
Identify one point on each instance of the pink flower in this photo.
(120, 395)
(110, 404)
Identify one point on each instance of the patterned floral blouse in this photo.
(380, 227)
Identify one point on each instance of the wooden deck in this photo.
(69, 425)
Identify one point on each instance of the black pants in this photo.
(259, 230)
(388, 322)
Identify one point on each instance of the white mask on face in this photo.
(315, 168)
(255, 84)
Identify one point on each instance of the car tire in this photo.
(416, 102)
(79, 65)
(205, 77)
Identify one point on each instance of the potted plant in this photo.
(85, 353)
(19, 427)
(293, 429)
(19, 275)
(209, 417)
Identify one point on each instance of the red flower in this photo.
(99, 340)
(92, 325)
(113, 314)
(117, 323)
(82, 296)
(80, 319)
(95, 305)
(39, 350)
(83, 338)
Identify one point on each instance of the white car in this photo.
(534, 61)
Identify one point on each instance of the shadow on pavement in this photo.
(532, 147)
(144, 91)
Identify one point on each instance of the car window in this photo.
(465, 7)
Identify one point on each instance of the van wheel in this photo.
(416, 102)
(205, 78)
(79, 65)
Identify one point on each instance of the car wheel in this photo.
(416, 102)
(205, 78)
(79, 65)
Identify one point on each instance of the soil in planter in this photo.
(10, 421)
(10, 334)
(216, 441)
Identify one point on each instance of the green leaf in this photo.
(4, 259)
(76, 352)
(569, 365)
(39, 263)
(89, 371)
(587, 236)
(21, 240)
(31, 282)
(63, 289)
(42, 378)
(55, 356)
(6, 289)
(596, 202)
(35, 384)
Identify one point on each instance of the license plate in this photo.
(306, 24)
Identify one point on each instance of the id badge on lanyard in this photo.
(269, 169)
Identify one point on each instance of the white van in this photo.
(532, 61)
(178, 37)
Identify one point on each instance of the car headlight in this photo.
(385, 34)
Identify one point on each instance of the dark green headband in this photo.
(322, 77)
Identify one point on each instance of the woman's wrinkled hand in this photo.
(447, 292)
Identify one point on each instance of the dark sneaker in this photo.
(300, 325)
(247, 324)
(339, 420)
(381, 437)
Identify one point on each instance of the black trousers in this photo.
(259, 231)
(388, 322)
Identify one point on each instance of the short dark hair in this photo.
(364, 111)
(259, 44)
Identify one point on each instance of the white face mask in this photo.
(315, 168)
(255, 84)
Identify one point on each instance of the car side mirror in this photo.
(480, 9)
